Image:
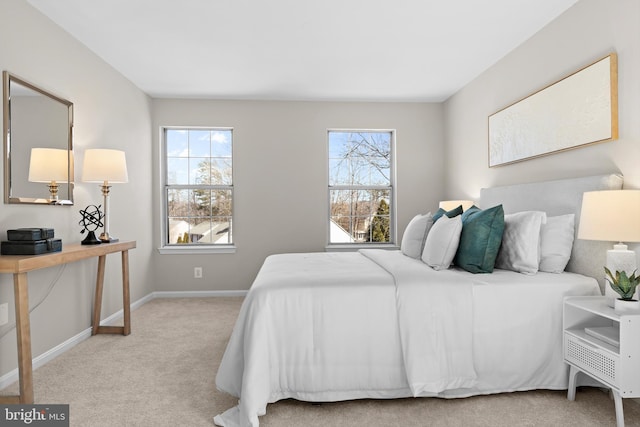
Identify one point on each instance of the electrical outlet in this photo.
(4, 313)
(197, 272)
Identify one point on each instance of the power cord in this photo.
(8, 328)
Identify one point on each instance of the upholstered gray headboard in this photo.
(559, 197)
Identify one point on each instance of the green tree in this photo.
(213, 202)
(379, 227)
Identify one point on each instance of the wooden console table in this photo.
(19, 265)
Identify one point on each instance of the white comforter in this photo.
(377, 324)
(434, 322)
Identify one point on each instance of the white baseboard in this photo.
(12, 376)
(198, 294)
(120, 313)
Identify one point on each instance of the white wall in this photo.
(110, 112)
(280, 176)
(588, 31)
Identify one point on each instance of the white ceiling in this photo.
(356, 50)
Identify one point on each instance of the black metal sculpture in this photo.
(91, 220)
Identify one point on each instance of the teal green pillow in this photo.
(450, 214)
(470, 211)
(480, 239)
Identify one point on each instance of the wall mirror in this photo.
(38, 146)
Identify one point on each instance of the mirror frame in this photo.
(7, 79)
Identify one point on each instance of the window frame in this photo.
(392, 244)
(192, 248)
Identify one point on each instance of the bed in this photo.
(380, 324)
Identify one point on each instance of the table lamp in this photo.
(107, 167)
(51, 166)
(447, 205)
(612, 216)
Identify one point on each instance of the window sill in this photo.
(355, 247)
(192, 250)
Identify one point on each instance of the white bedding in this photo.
(378, 324)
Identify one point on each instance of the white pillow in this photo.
(442, 242)
(415, 235)
(520, 249)
(556, 242)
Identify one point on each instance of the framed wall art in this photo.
(580, 109)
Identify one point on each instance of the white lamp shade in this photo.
(102, 165)
(610, 216)
(49, 164)
(447, 205)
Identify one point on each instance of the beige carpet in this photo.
(163, 375)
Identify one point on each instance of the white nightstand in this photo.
(604, 345)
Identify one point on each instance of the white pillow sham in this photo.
(556, 242)
(415, 235)
(520, 249)
(442, 242)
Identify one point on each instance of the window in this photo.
(361, 199)
(198, 188)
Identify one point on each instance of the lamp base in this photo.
(107, 238)
(91, 239)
